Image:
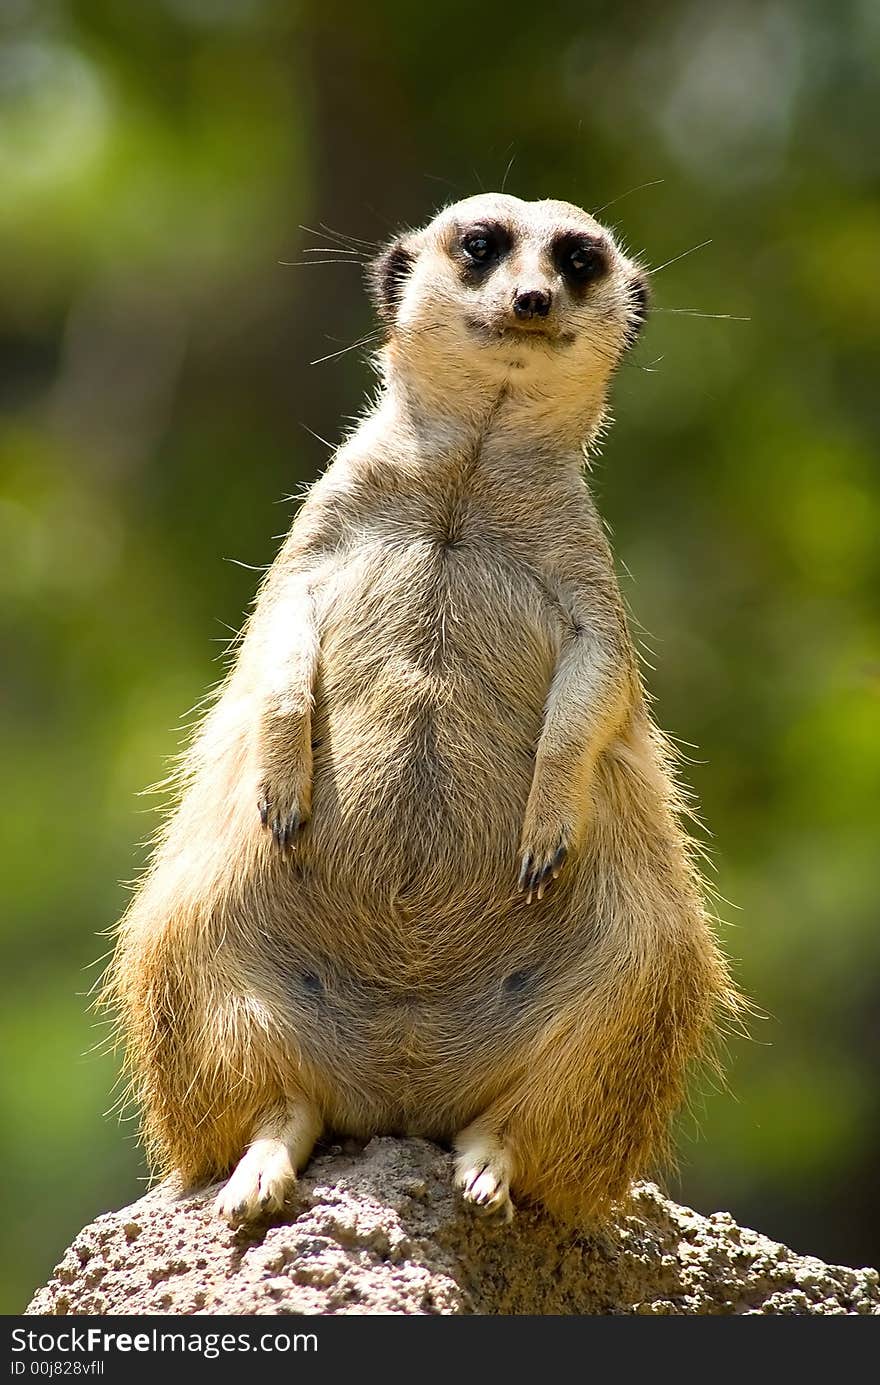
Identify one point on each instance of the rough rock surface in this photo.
(380, 1230)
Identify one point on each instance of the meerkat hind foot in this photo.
(262, 1181)
(482, 1172)
(265, 1176)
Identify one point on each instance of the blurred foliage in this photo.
(157, 161)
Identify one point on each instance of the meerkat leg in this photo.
(607, 1071)
(289, 646)
(483, 1170)
(585, 705)
(266, 1174)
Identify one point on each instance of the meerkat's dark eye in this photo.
(478, 247)
(481, 247)
(580, 260)
(484, 245)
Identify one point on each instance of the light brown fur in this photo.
(438, 682)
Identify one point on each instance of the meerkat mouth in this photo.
(503, 334)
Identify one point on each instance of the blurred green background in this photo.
(156, 163)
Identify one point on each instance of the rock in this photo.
(380, 1230)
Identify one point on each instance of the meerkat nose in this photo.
(531, 303)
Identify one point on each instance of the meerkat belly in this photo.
(425, 737)
(417, 968)
(417, 1059)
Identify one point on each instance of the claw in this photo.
(475, 1175)
(525, 870)
(486, 1188)
(284, 829)
(535, 879)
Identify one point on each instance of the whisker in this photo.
(420, 331)
(251, 567)
(311, 231)
(331, 355)
(507, 171)
(342, 245)
(329, 250)
(695, 312)
(694, 248)
(301, 264)
(371, 245)
(343, 341)
(317, 436)
(654, 183)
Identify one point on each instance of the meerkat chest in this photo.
(436, 659)
(443, 595)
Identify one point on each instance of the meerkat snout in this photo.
(529, 303)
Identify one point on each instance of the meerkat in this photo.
(426, 874)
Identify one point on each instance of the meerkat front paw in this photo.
(261, 1184)
(544, 853)
(284, 809)
(483, 1172)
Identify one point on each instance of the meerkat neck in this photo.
(463, 408)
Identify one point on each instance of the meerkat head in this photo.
(509, 291)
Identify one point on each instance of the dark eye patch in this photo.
(479, 248)
(580, 259)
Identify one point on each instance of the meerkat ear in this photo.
(386, 276)
(639, 303)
